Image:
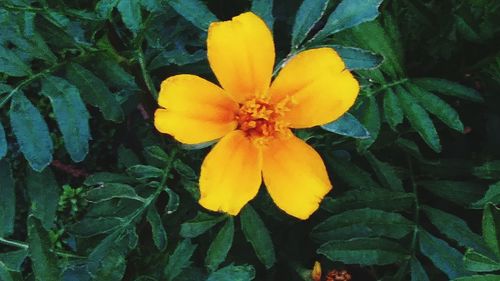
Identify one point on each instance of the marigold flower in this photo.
(252, 117)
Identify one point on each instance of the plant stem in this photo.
(145, 75)
(386, 86)
(22, 245)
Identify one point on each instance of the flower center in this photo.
(261, 120)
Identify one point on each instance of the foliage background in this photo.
(90, 191)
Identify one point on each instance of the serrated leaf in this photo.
(88, 227)
(264, 9)
(448, 88)
(492, 195)
(444, 257)
(363, 251)
(179, 259)
(436, 106)
(7, 200)
(3, 142)
(104, 8)
(308, 14)
(184, 170)
(491, 228)
(419, 119)
(392, 109)
(71, 115)
(459, 192)
(173, 201)
(351, 174)
(44, 261)
(4, 273)
(477, 262)
(130, 11)
(199, 225)
(194, 11)
(13, 260)
(109, 70)
(43, 191)
(258, 235)
(31, 132)
(143, 172)
(110, 191)
(385, 173)
(233, 273)
(370, 118)
(380, 199)
(455, 228)
(157, 153)
(94, 91)
(356, 58)
(347, 125)
(362, 223)
(178, 56)
(105, 177)
(11, 64)
(417, 271)
(347, 14)
(157, 229)
(489, 170)
(152, 5)
(220, 246)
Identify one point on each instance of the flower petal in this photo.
(241, 54)
(320, 88)
(230, 174)
(196, 110)
(295, 176)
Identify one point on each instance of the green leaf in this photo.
(478, 262)
(448, 88)
(264, 9)
(110, 191)
(419, 119)
(3, 142)
(184, 170)
(195, 11)
(459, 192)
(11, 64)
(454, 228)
(104, 8)
(4, 273)
(363, 251)
(356, 58)
(444, 257)
(417, 271)
(308, 14)
(351, 174)
(31, 132)
(13, 260)
(385, 173)
(380, 199)
(347, 14)
(437, 106)
(347, 125)
(157, 153)
(220, 246)
(157, 229)
(143, 172)
(233, 273)
(492, 195)
(43, 191)
(109, 70)
(130, 10)
(105, 177)
(95, 92)
(44, 260)
(392, 109)
(489, 170)
(488, 277)
(199, 225)
(7, 200)
(257, 234)
(491, 228)
(362, 223)
(179, 259)
(90, 226)
(71, 115)
(370, 118)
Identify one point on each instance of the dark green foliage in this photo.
(89, 190)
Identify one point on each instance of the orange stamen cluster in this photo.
(261, 120)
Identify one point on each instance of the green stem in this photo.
(416, 216)
(145, 75)
(22, 245)
(386, 86)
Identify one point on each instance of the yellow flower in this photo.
(252, 117)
